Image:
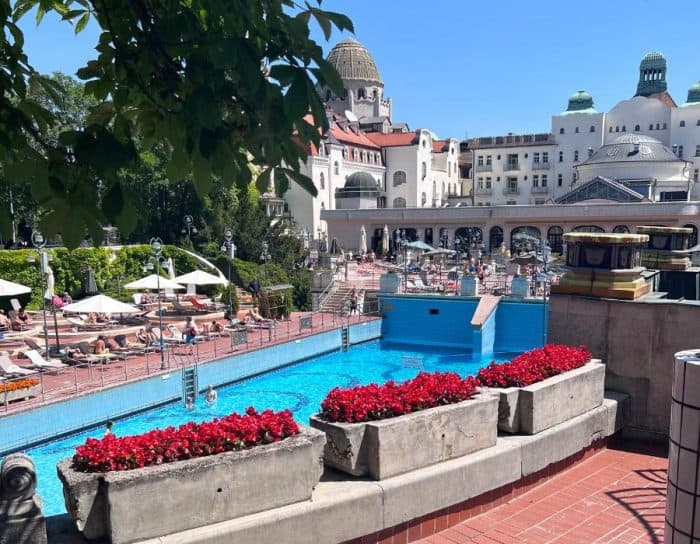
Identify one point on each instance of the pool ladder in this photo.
(190, 386)
(345, 337)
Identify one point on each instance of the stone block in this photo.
(532, 409)
(21, 517)
(133, 505)
(393, 446)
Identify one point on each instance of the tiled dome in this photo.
(353, 62)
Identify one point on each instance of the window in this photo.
(480, 183)
(658, 126)
(592, 129)
(535, 180)
(399, 202)
(512, 185)
(423, 198)
(610, 129)
(545, 157)
(536, 158)
(697, 150)
(336, 168)
(512, 202)
(323, 205)
(480, 160)
(345, 152)
(488, 160)
(555, 238)
(561, 156)
(682, 123)
(680, 151)
(636, 128)
(539, 201)
(322, 181)
(695, 175)
(576, 156)
(617, 129)
(561, 130)
(665, 127)
(651, 127)
(488, 182)
(544, 180)
(423, 170)
(361, 93)
(321, 149)
(576, 130)
(621, 229)
(624, 128)
(399, 178)
(560, 180)
(355, 154)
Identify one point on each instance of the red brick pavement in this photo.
(615, 496)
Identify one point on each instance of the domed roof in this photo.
(580, 101)
(653, 60)
(694, 93)
(632, 148)
(353, 62)
(361, 180)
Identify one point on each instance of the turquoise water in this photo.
(300, 387)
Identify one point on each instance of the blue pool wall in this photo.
(90, 409)
(516, 325)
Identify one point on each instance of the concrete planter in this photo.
(532, 409)
(389, 283)
(469, 286)
(385, 448)
(519, 287)
(134, 505)
(20, 394)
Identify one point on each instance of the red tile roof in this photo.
(665, 98)
(439, 146)
(393, 140)
(351, 137)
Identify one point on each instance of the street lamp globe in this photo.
(156, 246)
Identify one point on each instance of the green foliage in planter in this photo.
(302, 280)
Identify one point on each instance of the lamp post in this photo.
(39, 243)
(189, 229)
(264, 256)
(402, 242)
(156, 259)
(230, 249)
(546, 252)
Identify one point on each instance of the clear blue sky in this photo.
(464, 68)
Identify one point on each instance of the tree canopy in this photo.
(206, 86)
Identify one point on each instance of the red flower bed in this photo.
(373, 402)
(231, 433)
(534, 366)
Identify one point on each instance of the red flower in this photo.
(534, 366)
(233, 432)
(372, 402)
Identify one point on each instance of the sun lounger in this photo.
(184, 310)
(34, 345)
(8, 368)
(80, 324)
(203, 306)
(40, 363)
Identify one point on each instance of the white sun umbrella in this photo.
(199, 277)
(152, 282)
(11, 289)
(50, 284)
(170, 267)
(101, 304)
(363, 240)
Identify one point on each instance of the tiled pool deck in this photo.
(617, 495)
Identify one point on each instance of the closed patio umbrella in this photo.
(385, 240)
(90, 283)
(363, 240)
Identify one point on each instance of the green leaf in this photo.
(296, 101)
(281, 182)
(303, 181)
(342, 22)
(263, 180)
(178, 166)
(113, 202)
(323, 22)
(201, 174)
(330, 76)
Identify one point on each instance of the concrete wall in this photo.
(637, 341)
(519, 325)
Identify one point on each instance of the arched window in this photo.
(524, 239)
(399, 202)
(589, 228)
(345, 153)
(328, 96)
(443, 187)
(423, 198)
(399, 178)
(345, 94)
(321, 149)
(322, 181)
(617, 129)
(495, 238)
(636, 128)
(555, 239)
(470, 238)
(576, 130)
(561, 130)
(592, 129)
(621, 229)
(694, 236)
(624, 128)
(610, 130)
(561, 156)
(423, 170)
(336, 168)
(682, 123)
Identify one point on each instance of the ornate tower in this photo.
(363, 92)
(652, 75)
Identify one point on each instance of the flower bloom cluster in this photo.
(534, 366)
(373, 402)
(230, 433)
(19, 384)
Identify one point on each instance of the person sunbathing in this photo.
(146, 298)
(21, 320)
(101, 346)
(4, 321)
(91, 318)
(256, 317)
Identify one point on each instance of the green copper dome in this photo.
(694, 93)
(580, 100)
(652, 75)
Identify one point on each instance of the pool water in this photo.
(300, 387)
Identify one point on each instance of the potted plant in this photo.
(19, 390)
(371, 429)
(168, 480)
(544, 387)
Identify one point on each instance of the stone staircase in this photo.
(336, 302)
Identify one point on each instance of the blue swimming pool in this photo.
(299, 387)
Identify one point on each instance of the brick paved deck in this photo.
(617, 495)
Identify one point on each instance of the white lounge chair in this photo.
(9, 368)
(40, 363)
